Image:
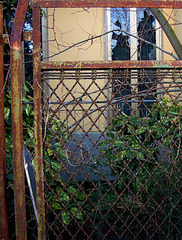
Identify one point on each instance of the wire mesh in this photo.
(112, 153)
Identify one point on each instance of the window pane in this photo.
(121, 50)
(146, 31)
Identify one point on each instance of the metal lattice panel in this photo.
(112, 147)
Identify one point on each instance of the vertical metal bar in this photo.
(38, 124)
(133, 56)
(17, 120)
(3, 198)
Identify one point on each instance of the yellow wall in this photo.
(70, 26)
(66, 28)
(174, 16)
(166, 44)
(177, 23)
(73, 26)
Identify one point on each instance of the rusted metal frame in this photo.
(111, 64)
(106, 3)
(26, 36)
(3, 197)
(38, 124)
(17, 119)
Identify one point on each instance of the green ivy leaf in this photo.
(120, 123)
(79, 215)
(6, 113)
(103, 143)
(133, 120)
(56, 166)
(49, 152)
(173, 113)
(30, 132)
(129, 154)
(28, 110)
(72, 190)
(118, 143)
(80, 196)
(123, 153)
(140, 130)
(63, 196)
(140, 156)
(159, 131)
(135, 146)
(166, 142)
(54, 128)
(57, 205)
(65, 216)
(110, 134)
(131, 129)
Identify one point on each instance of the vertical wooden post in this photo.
(3, 198)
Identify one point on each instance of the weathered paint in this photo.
(107, 3)
(110, 64)
(26, 36)
(38, 124)
(17, 121)
(3, 198)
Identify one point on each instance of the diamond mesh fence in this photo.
(112, 153)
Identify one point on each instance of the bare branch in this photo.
(101, 35)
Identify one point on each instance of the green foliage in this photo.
(55, 137)
(144, 155)
(28, 130)
(9, 6)
(135, 151)
(132, 140)
(28, 140)
(63, 199)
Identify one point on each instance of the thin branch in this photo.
(101, 35)
(5, 82)
(169, 31)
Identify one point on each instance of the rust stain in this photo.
(26, 36)
(38, 124)
(17, 121)
(110, 64)
(107, 3)
(3, 197)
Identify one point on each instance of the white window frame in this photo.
(133, 40)
(133, 46)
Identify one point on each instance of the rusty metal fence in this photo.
(107, 144)
(120, 177)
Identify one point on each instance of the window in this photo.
(133, 29)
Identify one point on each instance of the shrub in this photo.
(144, 155)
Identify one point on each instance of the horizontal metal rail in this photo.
(107, 3)
(110, 64)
